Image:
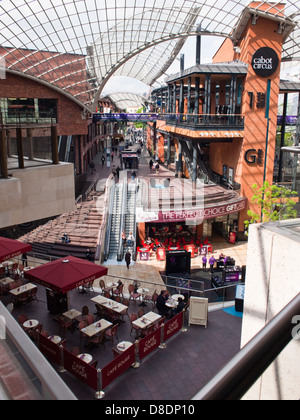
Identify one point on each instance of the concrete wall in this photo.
(36, 193)
(272, 281)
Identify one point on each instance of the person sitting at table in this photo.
(65, 239)
(180, 307)
(161, 303)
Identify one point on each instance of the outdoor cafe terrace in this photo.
(99, 351)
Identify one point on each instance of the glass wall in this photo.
(28, 110)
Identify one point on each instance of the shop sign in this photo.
(265, 62)
(253, 156)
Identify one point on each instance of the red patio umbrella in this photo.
(10, 248)
(65, 274)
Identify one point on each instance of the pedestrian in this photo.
(112, 156)
(92, 166)
(24, 260)
(133, 175)
(151, 165)
(89, 255)
(114, 171)
(118, 172)
(103, 160)
(128, 259)
(157, 168)
(204, 261)
(211, 263)
(130, 240)
(124, 240)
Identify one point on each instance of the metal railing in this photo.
(203, 120)
(237, 377)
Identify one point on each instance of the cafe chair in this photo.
(154, 298)
(104, 288)
(116, 352)
(90, 319)
(22, 298)
(76, 351)
(32, 295)
(118, 292)
(64, 325)
(111, 333)
(141, 313)
(22, 318)
(148, 298)
(96, 340)
(134, 317)
(100, 311)
(132, 294)
(94, 364)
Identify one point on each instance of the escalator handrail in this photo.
(123, 212)
(109, 219)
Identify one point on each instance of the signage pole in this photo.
(267, 115)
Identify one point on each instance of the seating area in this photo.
(81, 226)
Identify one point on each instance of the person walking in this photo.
(151, 165)
(128, 259)
(211, 263)
(204, 261)
(102, 160)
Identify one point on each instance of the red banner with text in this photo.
(49, 349)
(149, 343)
(81, 370)
(115, 368)
(173, 326)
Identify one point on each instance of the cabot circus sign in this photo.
(265, 62)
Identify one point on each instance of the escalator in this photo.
(64, 147)
(115, 223)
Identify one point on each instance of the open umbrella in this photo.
(65, 274)
(10, 248)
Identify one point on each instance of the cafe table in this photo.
(177, 296)
(30, 324)
(55, 339)
(85, 357)
(22, 289)
(146, 320)
(72, 314)
(6, 281)
(109, 304)
(96, 327)
(142, 292)
(28, 268)
(124, 345)
(171, 303)
(112, 285)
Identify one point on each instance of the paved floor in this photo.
(191, 358)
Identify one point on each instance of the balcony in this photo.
(205, 121)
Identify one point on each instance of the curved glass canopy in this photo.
(76, 46)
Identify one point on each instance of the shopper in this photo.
(204, 262)
(161, 303)
(130, 240)
(128, 259)
(102, 160)
(211, 263)
(151, 165)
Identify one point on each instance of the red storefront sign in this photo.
(173, 326)
(119, 365)
(149, 343)
(161, 254)
(49, 349)
(81, 370)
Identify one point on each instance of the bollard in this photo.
(100, 394)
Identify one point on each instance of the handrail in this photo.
(53, 387)
(237, 377)
(109, 219)
(134, 221)
(123, 212)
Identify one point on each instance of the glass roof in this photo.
(78, 45)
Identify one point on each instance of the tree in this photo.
(276, 203)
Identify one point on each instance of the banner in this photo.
(173, 326)
(149, 343)
(49, 349)
(119, 365)
(81, 370)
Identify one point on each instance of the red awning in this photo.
(65, 274)
(10, 248)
